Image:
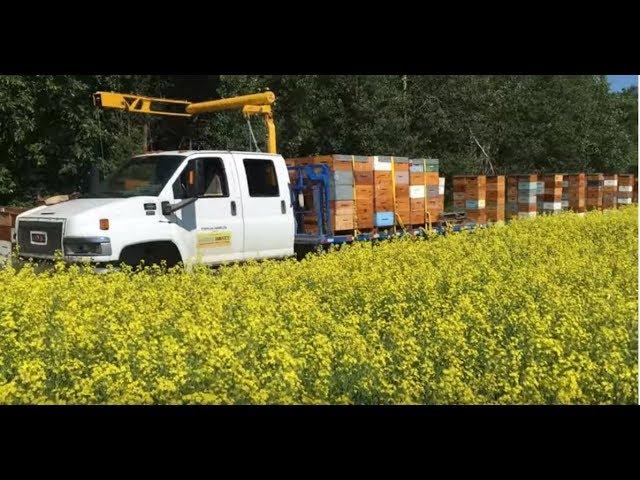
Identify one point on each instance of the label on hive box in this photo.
(624, 200)
(624, 188)
(611, 183)
(402, 178)
(526, 214)
(343, 177)
(382, 164)
(552, 206)
(527, 186)
(527, 198)
(475, 204)
(441, 190)
(342, 192)
(384, 219)
(416, 191)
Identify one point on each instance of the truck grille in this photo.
(39, 238)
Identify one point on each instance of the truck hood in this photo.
(80, 205)
(91, 207)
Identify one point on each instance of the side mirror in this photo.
(166, 208)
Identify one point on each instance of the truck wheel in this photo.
(152, 254)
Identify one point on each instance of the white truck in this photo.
(179, 206)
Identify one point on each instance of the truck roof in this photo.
(186, 153)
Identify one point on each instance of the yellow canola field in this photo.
(539, 311)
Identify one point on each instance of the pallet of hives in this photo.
(527, 195)
(552, 193)
(574, 192)
(495, 198)
(511, 204)
(351, 191)
(595, 184)
(610, 191)
(625, 189)
(473, 188)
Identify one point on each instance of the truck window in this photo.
(261, 177)
(214, 179)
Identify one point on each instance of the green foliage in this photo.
(541, 311)
(50, 133)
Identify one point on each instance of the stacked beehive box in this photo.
(625, 188)
(595, 184)
(417, 191)
(540, 194)
(363, 178)
(470, 193)
(459, 187)
(495, 198)
(383, 205)
(402, 198)
(527, 195)
(342, 190)
(574, 190)
(7, 224)
(511, 207)
(565, 192)
(552, 194)
(433, 196)
(441, 192)
(635, 190)
(610, 191)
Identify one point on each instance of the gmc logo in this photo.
(39, 238)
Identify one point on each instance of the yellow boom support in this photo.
(255, 104)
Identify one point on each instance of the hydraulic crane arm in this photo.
(254, 104)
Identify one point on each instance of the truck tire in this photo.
(152, 253)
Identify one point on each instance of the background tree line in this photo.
(51, 134)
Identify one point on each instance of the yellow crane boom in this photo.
(254, 104)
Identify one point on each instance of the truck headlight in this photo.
(87, 246)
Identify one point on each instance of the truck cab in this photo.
(178, 206)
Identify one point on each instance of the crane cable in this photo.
(251, 135)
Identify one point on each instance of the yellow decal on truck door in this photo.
(215, 239)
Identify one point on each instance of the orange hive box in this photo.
(625, 189)
(527, 195)
(610, 191)
(552, 194)
(417, 191)
(511, 206)
(574, 190)
(474, 194)
(402, 200)
(595, 184)
(496, 198)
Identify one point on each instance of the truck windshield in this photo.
(140, 176)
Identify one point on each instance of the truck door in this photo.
(268, 218)
(219, 229)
